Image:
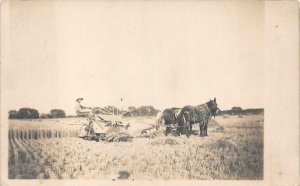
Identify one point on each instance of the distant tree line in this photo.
(132, 111)
(23, 113)
(141, 111)
(54, 113)
(240, 111)
(29, 113)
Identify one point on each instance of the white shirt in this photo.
(79, 107)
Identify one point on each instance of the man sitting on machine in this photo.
(86, 112)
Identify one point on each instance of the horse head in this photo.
(213, 106)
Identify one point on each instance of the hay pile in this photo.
(152, 133)
(117, 135)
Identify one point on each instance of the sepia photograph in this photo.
(139, 90)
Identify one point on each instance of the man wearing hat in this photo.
(81, 110)
(85, 111)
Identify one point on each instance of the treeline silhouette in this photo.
(240, 111)
(130, 112)
(141, 111)
(30, 113)
(23, 113)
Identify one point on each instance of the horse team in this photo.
(183, 118)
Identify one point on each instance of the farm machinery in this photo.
(112, 122)
(115, 126)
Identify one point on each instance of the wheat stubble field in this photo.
(49, 149)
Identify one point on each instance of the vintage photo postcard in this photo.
(149, 92)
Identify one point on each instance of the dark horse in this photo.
(201, 114)
(169, 117)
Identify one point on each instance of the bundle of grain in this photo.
(152, 133)
(118, 137)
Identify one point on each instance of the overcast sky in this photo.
(163, 54)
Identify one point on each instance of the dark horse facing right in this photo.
(201, 114)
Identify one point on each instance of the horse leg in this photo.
(191, 126)
(186, 123)
(186, 129)
(201, 128)
(205, 128)
(178, 130)
(168, 130)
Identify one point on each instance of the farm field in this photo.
(50, 149)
